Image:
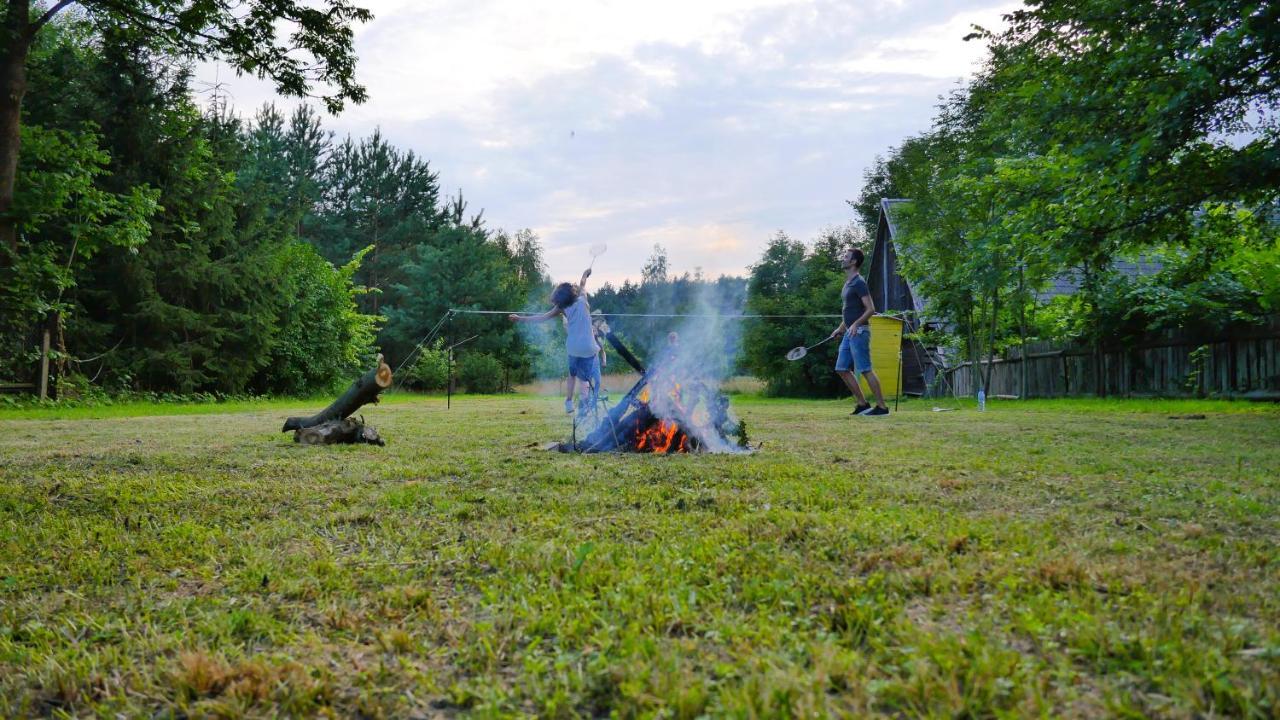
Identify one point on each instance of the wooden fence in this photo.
(1241, 363)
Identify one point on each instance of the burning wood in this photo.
(668, 410)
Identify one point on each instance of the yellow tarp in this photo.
(886, 346)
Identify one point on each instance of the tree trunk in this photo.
(991, 341)
(44, 364)
(1022, 332)
(972, 353)
(15, 41)
(363, 391)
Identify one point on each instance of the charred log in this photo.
(347, 431)
(624, 352)
(363, 391)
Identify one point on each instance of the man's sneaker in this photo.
(861, 409)
(568, 406)
(876, 411)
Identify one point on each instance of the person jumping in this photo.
(855, 347)
(584, 363)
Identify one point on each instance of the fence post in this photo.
(51, 320)
(44, 365)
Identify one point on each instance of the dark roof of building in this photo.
(886, 211)
(1068, 283)
(887, 206)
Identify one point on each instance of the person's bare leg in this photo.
(852, 381)
(568, 394)
(873, 382)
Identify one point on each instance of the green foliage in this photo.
(426, 257)
(1195, 369)
(323, 339)
(58, 187)
(300, 46)
(430, 369)
(481, 372)
(1097, 132)
(792, 279)
(1225, 273)
(65, 218)
(216, 280)
(455, 267)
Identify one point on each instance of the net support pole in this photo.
(898, 395)
(448, 383)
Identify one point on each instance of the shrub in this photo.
(431, 370)
(323, 338)
(480, 373)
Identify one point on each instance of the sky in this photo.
(705, 126)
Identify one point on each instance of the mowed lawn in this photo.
(1056, 558)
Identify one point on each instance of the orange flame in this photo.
(660, 437)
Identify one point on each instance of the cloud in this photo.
(705, 126)
(930, 51)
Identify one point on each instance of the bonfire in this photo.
(672, 408)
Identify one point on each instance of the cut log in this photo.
(363, 391)
(338, 431)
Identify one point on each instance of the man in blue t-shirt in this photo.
(855, 347)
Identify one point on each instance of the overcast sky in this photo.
(703, 125)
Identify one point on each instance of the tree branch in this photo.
(143, 16)
(47, 16)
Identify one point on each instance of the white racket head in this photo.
(797, 353)
(597, 250)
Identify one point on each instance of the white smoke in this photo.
(702, 355)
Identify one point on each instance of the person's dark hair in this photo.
(564, 295)
(858, 257)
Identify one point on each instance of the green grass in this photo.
(134, 408)
(1074, 558)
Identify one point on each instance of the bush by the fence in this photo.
(480, 373)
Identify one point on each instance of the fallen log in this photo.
(363, 391)
(338, 431)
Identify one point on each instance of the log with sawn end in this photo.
(363, 391)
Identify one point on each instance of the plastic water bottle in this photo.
(982, 401)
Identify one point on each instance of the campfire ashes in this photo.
(672, 408)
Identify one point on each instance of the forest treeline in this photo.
(184, 249)
(176, 246)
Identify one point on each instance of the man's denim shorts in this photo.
(855, 350)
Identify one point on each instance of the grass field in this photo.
(1056, 558)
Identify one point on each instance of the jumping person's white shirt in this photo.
(581, 340)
